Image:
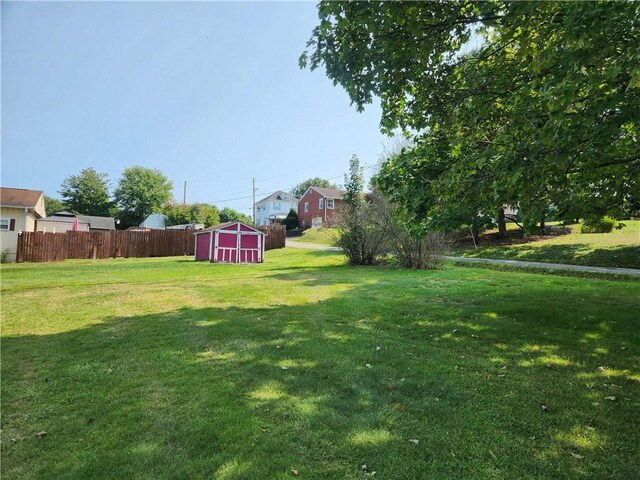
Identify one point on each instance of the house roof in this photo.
(328, 192)
(61, 219)
(156, 221)
(21, 197)
(278, 196)
(102, 223)
(225, 224)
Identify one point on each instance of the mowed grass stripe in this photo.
(184, 370)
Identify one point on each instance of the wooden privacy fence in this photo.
(53, 247)
(275, 237)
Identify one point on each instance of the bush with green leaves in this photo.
(201, 213)
(291, 220)
(363, 232)
(599, 225)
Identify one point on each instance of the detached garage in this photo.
(231, 242)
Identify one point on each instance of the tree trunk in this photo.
(543, 228)
(502, 224)
(474, 235)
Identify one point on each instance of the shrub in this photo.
(420, 253)
(599, 225)
(291, 220)
(362, 231)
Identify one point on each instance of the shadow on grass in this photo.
(573, 254)
(490, 384)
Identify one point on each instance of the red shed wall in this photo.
(202, 246)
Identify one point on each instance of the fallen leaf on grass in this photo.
(41, 434)
(368, 365)
(544, 407)
(397, 406)
(364, 467)
(284, 368)
(414, 441)
(575, 455)
(612, 398)
(295, 472)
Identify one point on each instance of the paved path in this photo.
(515, 263)
(310, 246)
(552, 266)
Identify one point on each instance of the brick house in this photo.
(317, 206)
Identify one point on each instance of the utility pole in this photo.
(184, 194)
(254, 200)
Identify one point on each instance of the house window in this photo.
(276, 206)
(4, 224)
(306, 207)
(330, 204)
(321, 204)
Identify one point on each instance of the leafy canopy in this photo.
(141, 191)
(86, 193)
(201, 213)
(354, 182)
(299, 189)
(509, 103)
(230, 215)
(53, 205)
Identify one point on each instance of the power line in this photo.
(327, 161)
(294, 171)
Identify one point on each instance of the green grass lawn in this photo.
(620, 248)
(170, 369)
(318, 236)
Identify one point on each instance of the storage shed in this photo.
(231, 242)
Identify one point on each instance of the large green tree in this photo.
(87, 193)
(230, 215)
(53, 205)
(202, 213)
(299, 189)
(509, 103)
(141, 191)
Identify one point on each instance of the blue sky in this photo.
(210, 93)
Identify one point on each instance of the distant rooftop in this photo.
(279, 195)
(329, 192)
(21, 197)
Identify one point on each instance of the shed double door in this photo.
(226, 247)
(237, 247)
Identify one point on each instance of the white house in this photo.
(275, 207)
(19, 210)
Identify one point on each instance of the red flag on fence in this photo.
(76, 225)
